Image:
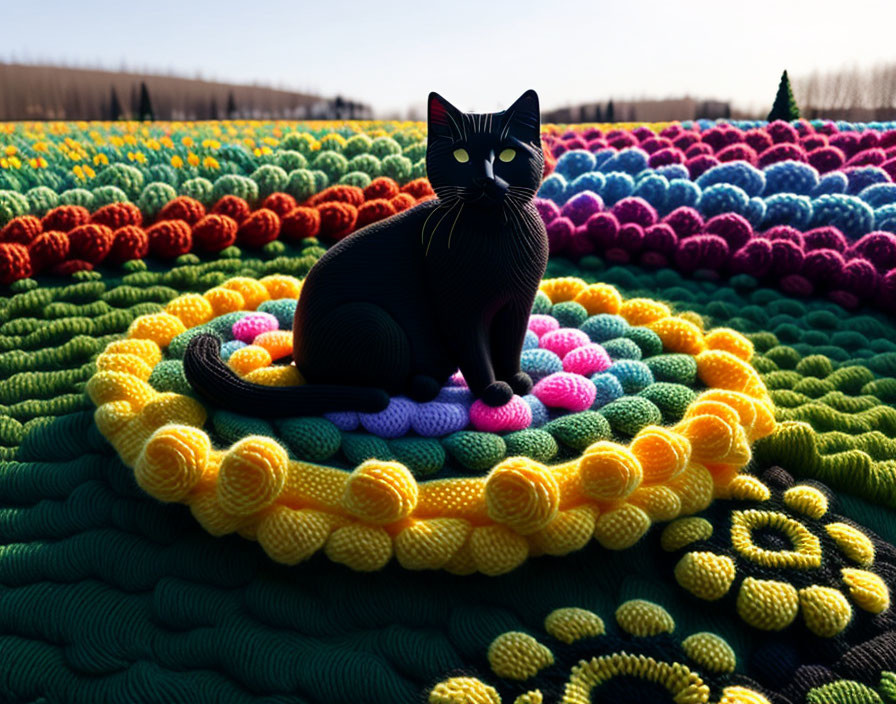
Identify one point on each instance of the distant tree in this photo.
(598, 113)
(785, 107)
(146, 113)
(338, 107)
(115, 110)
(231, 106)
(611, 112)
(213, 110)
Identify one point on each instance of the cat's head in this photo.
(485, 159)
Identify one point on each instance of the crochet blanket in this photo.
(694, 504)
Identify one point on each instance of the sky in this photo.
(479, 55)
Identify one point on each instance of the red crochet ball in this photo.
(183, 208)
(215, 232)
(402, 201)
(381, 187)
(259, 228)
(232, 207)
(342, 194)
(418, 188)
(280, 203)
(15, 263)
(299, 223)
(170, 238)
(337, 219)
(21, 230)
(374, 210)
(65, 218)
(116, 215)
(128, 242)
(90, 243)
(70, 266)
(48, 249)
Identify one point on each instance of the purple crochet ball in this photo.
(827, 127)
(580, 243)
(846, 142)
(877, 247)
(844, 299)
(754, 258)
(392, 422)
(654, 260)
(828, 237)
(701, 252)
(595, 145)
(826, 159)
(630, 237)
(671, 131)
(617, 255)
(558, 149)
(782, 132)
(622, 141)
(575, 143)
(870, 140)
(660, 238)
(787, 258)
(685, 221)
(868, 157)
(664, 157)
(823, 266)
(547, 209)
(559, 234)
(784, 232)
(813, 141)
(715, 138)
(860, 278)
(731, 227)
(456, 394)
(654, 144)
(636, 210)
(796, 285)
(698, 165)
(685, 140)
(344, 420)
(698, 149)
(435, 419)
(887, 139)
(581, 207)
(888, 290)
(643, 133)
(738, 152)
(592, 133)
(602, 229)
(780, 152)
(758, 140)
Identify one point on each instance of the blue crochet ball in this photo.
(885, 218)
(787, 209)
(539, 410)
(609, 388)
(723, 198)
(737, 173)
(862, 177)
(879, 194)
(790, 177)
(834, 182)
(654, 189)
(603, 156)
(592, 181)
(622, 348)
(672, 171)
(539, 363)
(552, 188)
(604, 326)
(755, 212)
(228, 348)
(617, 187)
(283, 309)
(634, 376)
(682, 192)
(628, 161)
(530, 342)
(852, 216)
(574, 163)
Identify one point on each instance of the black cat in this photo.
(400, 305)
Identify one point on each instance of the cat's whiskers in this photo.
(456, 218)
(436, 228)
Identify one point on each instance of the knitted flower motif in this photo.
(582, 661)
(777, 557)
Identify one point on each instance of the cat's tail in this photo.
(212, 379)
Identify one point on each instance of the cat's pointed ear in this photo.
(523, 118)
(443, 118)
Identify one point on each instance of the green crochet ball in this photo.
(358, 448)
(628, 414)
(672, 399)
(569, 314)
(232, 427)
(475, 450)
(541, 305)
(168, 375)
(676, 368)
(311, 439)
(579, 430)
(200, 189)
(532, 442)
(422, 456)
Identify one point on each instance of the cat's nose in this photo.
(483, 181)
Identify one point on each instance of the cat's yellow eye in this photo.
(507, 155)
(461, 155)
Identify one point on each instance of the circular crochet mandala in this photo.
(587, 455)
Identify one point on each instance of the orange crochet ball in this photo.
(90, 243)
(382, 187)
(48, 249)
(342, 194)
(21, 230)
(65, 218)
(259, 228)
(373, 210)
(337, 219)
(299, 223)
(280, 203)
(116, 215)
(128, 242)
(418, 188)
(170, 238)
(15, 262)
(232, 207)
(215, 232)
(183, 208)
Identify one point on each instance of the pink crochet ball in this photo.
(563, 340)
(564, 390)
(586, 360)
(516, 414)
(541, 324)
(248, 328)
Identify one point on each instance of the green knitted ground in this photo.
(108, 595)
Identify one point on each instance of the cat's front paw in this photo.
(497, 394)
(521, 383)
